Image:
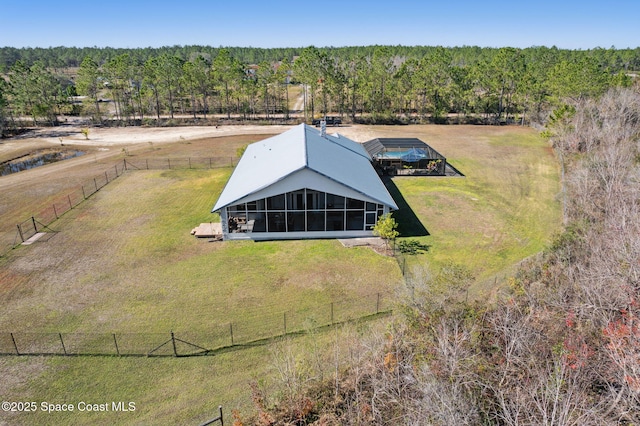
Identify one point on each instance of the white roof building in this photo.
(302, 184)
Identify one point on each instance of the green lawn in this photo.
(124, 262)
(173, 390)
(505, 208)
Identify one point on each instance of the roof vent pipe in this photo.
(323, 128)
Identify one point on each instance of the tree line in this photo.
(69, 57)
(379, 84)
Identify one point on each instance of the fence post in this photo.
(106, 176)
(20, 232)
(125, 164)
(116, 167)
(95, 183)
(173, 342)
(13, 339)
(70, 205)
(285, 323)
(147, 161)
(189, 162)
(115, 341)
(55, 212)
(378, 304)
(62, 342)
(209, 162)
(231, 330)
(33, 220)
(217, 419)
(169, 163)
(83, 194)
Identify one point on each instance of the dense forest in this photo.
(376, 84)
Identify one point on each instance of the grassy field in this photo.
(31, 192)
(503, 210)
(124, 261)
(118, 255)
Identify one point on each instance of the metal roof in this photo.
(375, 146)
(332, 157)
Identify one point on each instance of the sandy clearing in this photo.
(113, 136)
(105, 143)
(134, 135)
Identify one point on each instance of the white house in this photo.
(303, 184)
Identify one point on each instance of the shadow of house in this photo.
(409, 225)
(452, 171)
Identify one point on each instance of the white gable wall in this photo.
(309, 179)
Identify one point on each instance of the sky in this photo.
(570, 24)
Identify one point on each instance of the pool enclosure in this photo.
(405, 156)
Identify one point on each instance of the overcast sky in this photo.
(570, 24)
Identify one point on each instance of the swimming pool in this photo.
(411, 155)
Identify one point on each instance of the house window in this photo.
(276, 202)
(275, 222)
(305, 210)
(370, 220)
(315, 200)
(315, 220)
(238, 208)
(335, 202)
(353, 204)
(355, 220)
(295, 200)
(259, 221)
(256, 205)
(295, 221)
(335, 221)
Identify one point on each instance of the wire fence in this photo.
(42, 219)
(249, 329)
(179, 163)
(241, 332)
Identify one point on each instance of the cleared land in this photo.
(124, 261)
(129, 250)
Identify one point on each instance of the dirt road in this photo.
(103, 143)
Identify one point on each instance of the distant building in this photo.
(301, 184)
(405, 156)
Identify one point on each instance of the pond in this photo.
(36, 159)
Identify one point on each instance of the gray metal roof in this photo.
(332, 157)
(375, 146)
